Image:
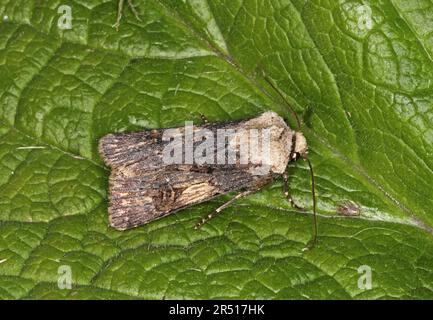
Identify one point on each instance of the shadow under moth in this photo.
(158, 172)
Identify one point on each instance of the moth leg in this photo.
(287, 194)
(222, 207)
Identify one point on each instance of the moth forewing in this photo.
(158, 172)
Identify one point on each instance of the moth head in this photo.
(299, 147)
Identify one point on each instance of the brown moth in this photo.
(156, 173)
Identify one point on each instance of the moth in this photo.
(158, 172)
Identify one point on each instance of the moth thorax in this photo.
(301, 146)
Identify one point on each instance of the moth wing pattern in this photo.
(143, 198)
(125, 150)
(143, 188)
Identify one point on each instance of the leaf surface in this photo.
(358, 73)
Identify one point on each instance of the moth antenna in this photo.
(313, 192)
(268, 80)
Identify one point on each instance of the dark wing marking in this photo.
(144, 148)
(126, 149)
(139, 199)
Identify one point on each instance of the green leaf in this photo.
(359, 72)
